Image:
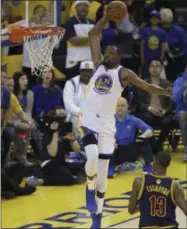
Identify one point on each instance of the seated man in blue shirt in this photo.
(128, 146)
(180, 98)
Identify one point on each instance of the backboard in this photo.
(28, 12)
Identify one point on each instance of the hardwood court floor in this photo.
(63, 207)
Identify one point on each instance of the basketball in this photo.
(116, 11)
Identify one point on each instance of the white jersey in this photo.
(100, 102)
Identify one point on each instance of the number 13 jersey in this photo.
(157, 205)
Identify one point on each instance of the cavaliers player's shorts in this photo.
(105, 142)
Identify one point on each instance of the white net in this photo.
(40, 49)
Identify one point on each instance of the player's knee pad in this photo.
(89, 139)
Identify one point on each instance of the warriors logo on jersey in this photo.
(103, 84)
(100, 102)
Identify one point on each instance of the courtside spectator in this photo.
(153, 42)
(17, 129)
(177, 42)
(26, 100)
(77, 28)
(94, 5)
(128, 145)
(157, 111)
(180, 98)
(39, 12)
(25, 96)
(74, 92)
(47, 95)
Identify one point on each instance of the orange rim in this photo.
(17, 33)
(39, 30)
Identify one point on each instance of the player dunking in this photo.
(97, 121)
(156, 196)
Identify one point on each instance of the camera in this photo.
(45, 120)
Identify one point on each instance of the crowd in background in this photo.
(43, 112)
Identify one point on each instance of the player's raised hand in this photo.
(169, 91)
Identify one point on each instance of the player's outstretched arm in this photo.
(94, 38)
(179, 198)
(128, 76)
(133, 206)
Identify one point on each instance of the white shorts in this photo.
(105, 126)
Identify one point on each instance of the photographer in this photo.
(58, 141)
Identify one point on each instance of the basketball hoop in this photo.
(40, 42)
